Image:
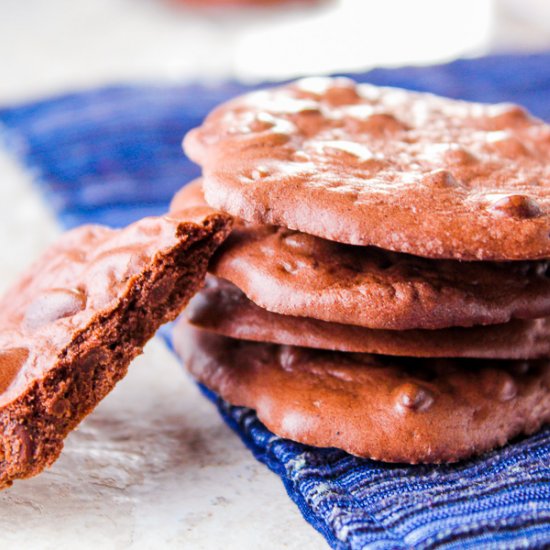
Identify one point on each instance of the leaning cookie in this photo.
(72, 324)
(296, 274)
(379, 407)
(222, 308)
(364, 165)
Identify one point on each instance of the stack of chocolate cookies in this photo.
(385, 289)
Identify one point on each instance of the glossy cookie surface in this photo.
(364, 165)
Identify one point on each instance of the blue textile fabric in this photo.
(112, 155)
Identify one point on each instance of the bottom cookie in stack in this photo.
(395, 409)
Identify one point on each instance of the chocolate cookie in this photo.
(222, 308)
(189, 196)
(297, 274)
(363, 165)
(385, 408)
(72, 324)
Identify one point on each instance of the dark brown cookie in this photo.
(72, 324)
(296, 274)
(385, 408)
(364, 165)
(222, 308)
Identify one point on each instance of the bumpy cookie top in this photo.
(365, 165)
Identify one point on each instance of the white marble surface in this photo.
(154, 466)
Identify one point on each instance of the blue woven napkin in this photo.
(113, 155)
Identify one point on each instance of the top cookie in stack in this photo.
(399, 170)
(386, 222)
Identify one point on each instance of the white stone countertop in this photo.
(155, 466)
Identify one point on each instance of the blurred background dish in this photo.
(57, 45)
